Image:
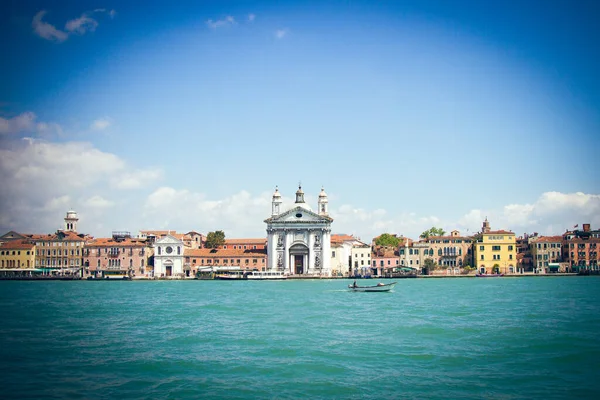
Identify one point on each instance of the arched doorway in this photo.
(299, 259)
(482, 270)
(168, 268)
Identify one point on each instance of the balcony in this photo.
(113, 254)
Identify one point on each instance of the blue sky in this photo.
(410, 114)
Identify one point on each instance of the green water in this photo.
(430, 338)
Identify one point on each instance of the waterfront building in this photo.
(245, 244)
(298, 240)
(546, 253)
(524, 257)
(413, 254)
(17, 257)
(495, 251)
(212, 259)
(168, 257)
(196, 240)
(191, 240)
(580, 249)
(61, 252)
(384, 259)
(118, 255)
(452, 251)
(349, 256)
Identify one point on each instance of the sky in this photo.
(410, 114)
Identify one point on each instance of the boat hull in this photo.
(376, 288)
(489, 275)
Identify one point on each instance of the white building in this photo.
(168, 257)
(299, 239)
(350, 256)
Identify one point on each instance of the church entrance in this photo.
(299, 259)
(298, 264)
(168, 270)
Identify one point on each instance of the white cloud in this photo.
(281, 33)
(24, 122)
(101, 124)
(46, 30)
(220, 23)
(251, 17)
(136, 179)
(551, 214)
(41, 178)
(82, 24)
(97, 201)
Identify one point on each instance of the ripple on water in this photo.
(460, 338)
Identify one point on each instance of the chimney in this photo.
(586, 227)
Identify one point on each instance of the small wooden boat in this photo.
(489, 275)
(380, 287)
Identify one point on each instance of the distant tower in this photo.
(299, 195)
(323, 202)
(486, 226)
(276, 206)
(71, 221)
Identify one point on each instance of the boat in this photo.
(380, 287)
(266, 275)
(489, 275)
(231, 276)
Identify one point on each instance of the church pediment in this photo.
(299, 214)
(169, 240)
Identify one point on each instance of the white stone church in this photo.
(299, 239)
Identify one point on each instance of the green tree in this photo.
(387, 240)
(215, 239)
(432, 232)
(496, 269)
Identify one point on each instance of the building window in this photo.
(510, 248)
(333, 254)
(481, 248)
(482, 256)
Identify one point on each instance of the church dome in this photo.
(322, 194)
(276, 194)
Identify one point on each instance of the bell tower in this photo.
(323, 202)
(276, 205)
(71, 221)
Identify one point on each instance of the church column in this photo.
(326, 245)
(287, 262)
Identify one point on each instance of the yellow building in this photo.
(495, 251)
(17, 257)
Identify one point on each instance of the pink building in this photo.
(119, 255)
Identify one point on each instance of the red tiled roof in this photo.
(67, 236)
(549, 239)
(110, 242)
(245, 241)
(17, 245)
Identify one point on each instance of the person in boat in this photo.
(354, 284)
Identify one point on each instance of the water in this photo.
(503, 338)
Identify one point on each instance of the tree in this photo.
(387, 240)
(432, 232)
(429, 264)
(215, 239)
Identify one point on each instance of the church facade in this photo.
(168, 257)
(299, 239)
